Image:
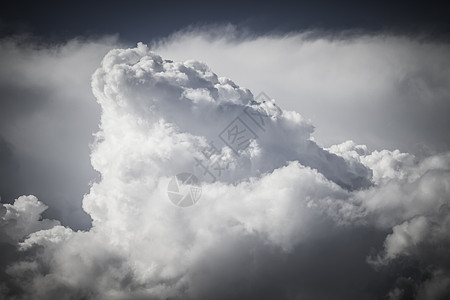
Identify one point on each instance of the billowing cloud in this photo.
(282, 217)
(23, 217)
(375, 89)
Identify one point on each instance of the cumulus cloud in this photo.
(23, 217)
(374, 89)
(265, 224)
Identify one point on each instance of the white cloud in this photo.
(373, 89)
(23, 217)
(281, 192)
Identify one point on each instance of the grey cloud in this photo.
(48, 116)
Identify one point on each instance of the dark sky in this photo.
(145, 20)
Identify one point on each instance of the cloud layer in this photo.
(286, 218)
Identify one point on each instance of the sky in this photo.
(317, 134)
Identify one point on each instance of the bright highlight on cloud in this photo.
(276, 200)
